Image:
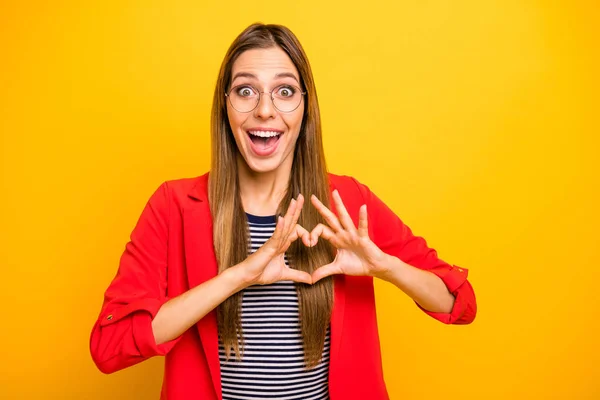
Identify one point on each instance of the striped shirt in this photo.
(272, 366)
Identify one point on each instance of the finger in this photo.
(299, 204)
(325, 232)
(296, 215)
(289, 214)
(363, 221)
(278, 228)
(344, 217)
(290, 274)
(325, 271)
(287, 218)
(329, 216)
(303, 233)
(281, 232)
(297, 232)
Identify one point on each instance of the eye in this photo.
(245, 91)
(285, 91)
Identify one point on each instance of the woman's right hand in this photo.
(267, 264)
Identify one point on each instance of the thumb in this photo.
(296, 276)
(325, 271)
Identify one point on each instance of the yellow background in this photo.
(477, 122)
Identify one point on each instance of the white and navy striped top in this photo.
(272, 366)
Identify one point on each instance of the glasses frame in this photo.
(260, 95)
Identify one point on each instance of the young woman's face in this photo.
(265, 136)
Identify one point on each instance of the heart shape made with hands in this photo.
(356, 254)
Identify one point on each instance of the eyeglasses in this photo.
(245, 98)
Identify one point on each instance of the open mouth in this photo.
(264, 140)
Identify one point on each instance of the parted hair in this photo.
(308, 176)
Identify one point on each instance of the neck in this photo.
(262, 192)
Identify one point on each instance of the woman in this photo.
(247, 291)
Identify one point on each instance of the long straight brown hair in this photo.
(308, 176)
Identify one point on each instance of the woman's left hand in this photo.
(356, 253)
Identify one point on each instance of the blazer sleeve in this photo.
(122, 336)
(395, 238)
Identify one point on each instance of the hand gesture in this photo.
(356, 253)
(267, 264)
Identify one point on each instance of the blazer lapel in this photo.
(201, 266)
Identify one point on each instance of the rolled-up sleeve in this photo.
(395, 238)
(465, 306)
(122, 335)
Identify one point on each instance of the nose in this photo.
(265, 108)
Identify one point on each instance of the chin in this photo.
(263, 166)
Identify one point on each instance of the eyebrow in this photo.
(252, 76)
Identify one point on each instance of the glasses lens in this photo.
(243, 98)
(287, 98)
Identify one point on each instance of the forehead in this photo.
(265, 64)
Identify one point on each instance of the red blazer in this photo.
(171, 251)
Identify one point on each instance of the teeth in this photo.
(264, 133)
